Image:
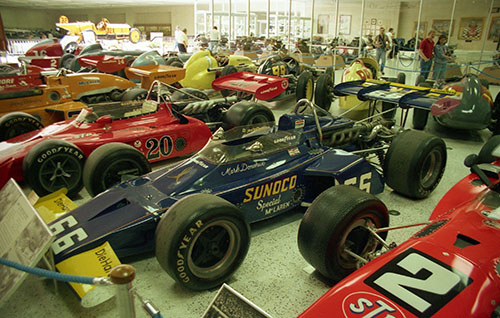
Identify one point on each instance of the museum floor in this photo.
(274, 275)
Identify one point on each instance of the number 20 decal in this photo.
(418, 282)
(159, 148)
(68, 240)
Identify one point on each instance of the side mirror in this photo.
(104, 120)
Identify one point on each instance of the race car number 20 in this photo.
(418, 282)
(68, 240)
(157, 148)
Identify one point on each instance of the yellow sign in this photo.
(53, 205)
(95, 263)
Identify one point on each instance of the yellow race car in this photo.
(104, 29)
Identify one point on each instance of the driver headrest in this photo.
(288, 121)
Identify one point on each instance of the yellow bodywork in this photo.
(358, 70)
(197, 69)
(103, 28)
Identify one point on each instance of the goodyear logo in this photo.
(90, 82)
(272, 188)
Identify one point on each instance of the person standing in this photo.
(390, 36)
(214, 36)
(180, 40)
(426, 52)
(441, 58)
(381, 44)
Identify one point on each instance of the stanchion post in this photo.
(122, 277)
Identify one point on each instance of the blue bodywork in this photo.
(265, 172)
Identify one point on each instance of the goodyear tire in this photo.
(66, 60)
(336, 219)
(330, 71)
(201, 241)
(177, 64)
(54, 164)
(111, 164)
(414, 163)
(226, 70)
(135, 93)
(17, 123)
(323, 92)
(247, 113)
(305, 86)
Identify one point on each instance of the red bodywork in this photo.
(19, 82)
(448, 269)
(159, 135)
(104, 63)
(47, 54)
(264, 87)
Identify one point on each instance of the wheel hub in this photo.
(59, 172)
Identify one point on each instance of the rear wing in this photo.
(263, 86)
(404, 95)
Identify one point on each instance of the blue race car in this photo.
(196, 214)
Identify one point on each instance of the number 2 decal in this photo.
(418, 282)
(159, 148)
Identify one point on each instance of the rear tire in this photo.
(336, 219)
(324, 91)
(66, 60)
(415, 163)
(135, 94)
(201, 241)
(247, 113)
(110, 164)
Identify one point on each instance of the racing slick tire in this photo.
(177, 64)
(17, 123)
(111, 164)
(201, 241)
(337, 219)
(135, 93)
(323, 92)
(330, 71)
(245, 113)
(226, 70)
(54, 164)
(414, 163)
(66, 60)
(305, 86)
(420, 116)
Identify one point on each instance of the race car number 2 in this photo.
(418, 282)
(68, 240)
(159, 148)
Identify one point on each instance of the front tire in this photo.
(54, 164)
(111, 164)
(337, 219)
(415, 163)
(324, 91)
(201, 241)
(17, 123)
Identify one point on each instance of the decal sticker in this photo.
(90, 82)
(418, 282)
(284, 84)
(242, 167)
(285, 139)
(279, 70)
(137, 143)
(66, 241)
(362, 182)
(294, 152)
(180, 175)
(159, 148)
(200, 163)
(365, 304)
(300, 123)
(269, 189)
(272, 206)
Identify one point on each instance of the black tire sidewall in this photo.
(8, 121)
(241, 113)
(104, 157)
(323, 92)
(46, 150)
(175, 233)
(302, 83)
(134, 94)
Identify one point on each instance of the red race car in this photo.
(450, 268)
(101, 146)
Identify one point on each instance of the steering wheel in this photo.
(292, 64)
(304, 104)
